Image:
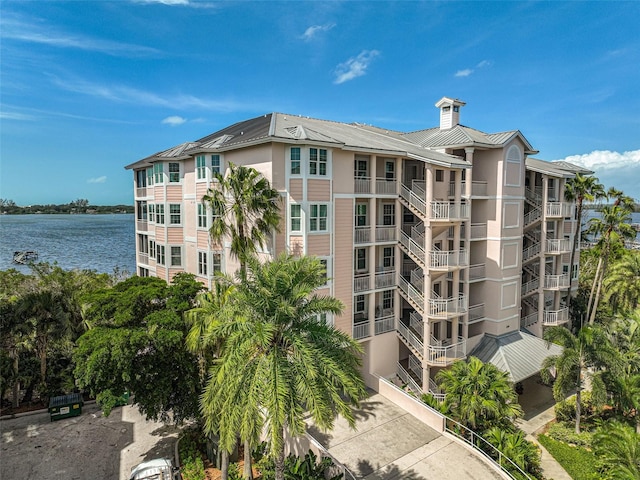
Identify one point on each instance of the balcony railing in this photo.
(444, 260)
(413, 199)
(385, 279)
(142, 225)
(476, 312)
(529, 320)
(386, 186)
(446, 307)
(361, 330)
(557, 245)
(362, 185)
(417, 279)
(478, 231)
(408, 380)
(362, 234)
(444, 355)
(386, 234)
(415, 366)
(479, 189)
(532, 215)
(416, 251)
(530, 252)
(558, 209)
(530, 286)
(556, 282)
(141, 192)
(416, 322)
(413, 295)
(449, 211)
(555, 317)
(384, 324)
(412, 339)
(143, 258)
(435, 391)
(477, 272)
(361, 283)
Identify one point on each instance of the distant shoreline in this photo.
(67, 210)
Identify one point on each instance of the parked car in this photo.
(156, 469)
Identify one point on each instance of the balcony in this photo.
(385, 279)
(556, 282)
(447, 307)
(476, 313)
(444, 352)
(448, 211)
(362, 234)
(386, 186)
(557, 245)
(361, 283)
(361, 328)
(385, 324)
(555, 317)
(477, 272)
(141, 192)
(142, 225)
(558, 209)
(386, 233)
(362, 185)
(143, 258)
(448, 260)
(479, 189)
(478, 231)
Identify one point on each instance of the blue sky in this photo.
(89, 87)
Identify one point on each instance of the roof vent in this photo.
(449, 112)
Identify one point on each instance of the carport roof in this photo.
(518, 353)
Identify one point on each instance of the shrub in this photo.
(580, 463)
(190, 451)
(564, 432)
(566, 409)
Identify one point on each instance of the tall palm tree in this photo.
(589, 348)
(478, 394)
(280, 359)
(622, 284)
(617, 446)
(580, 189)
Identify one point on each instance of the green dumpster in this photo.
(65, 406)
(122, 400)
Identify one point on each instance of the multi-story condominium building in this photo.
(441, 242)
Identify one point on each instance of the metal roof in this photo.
(559, 169)
(518, 353)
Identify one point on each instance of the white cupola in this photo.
(449, 112)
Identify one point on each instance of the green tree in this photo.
(622, 284)
(280, 359)
(617, 447)
(589, 348)
(478, 394)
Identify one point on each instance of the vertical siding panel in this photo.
(318, 190)
(295, 189)
(319, 245)
(343, 261)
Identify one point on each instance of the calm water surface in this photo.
(96, 242)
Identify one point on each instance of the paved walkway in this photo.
(390, 443)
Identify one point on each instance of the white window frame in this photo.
(158, 173)
(216, 164)
(391, 217)
(173, 214)
(215, 262)
(317, 218)
(388, 299)
(315, 165)
(201, 168)
(357, 300)
(358, 267)
(173, 257)
(202, 216)
(326, 261)
(513, 157)
(295, 161)
(151, 211)
(161, 257)
(203, 263)
(152, 249)
(150, 177)
(389, 173)
(170, 173)
(298, 217)
(160, 218)
(388, 261)
(358, 171)
(362, 213)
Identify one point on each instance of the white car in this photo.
(156, 469)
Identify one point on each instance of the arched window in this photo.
(513, 167)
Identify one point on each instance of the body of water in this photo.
(96, 242)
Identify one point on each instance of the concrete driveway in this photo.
(89, 446)
(390, 443)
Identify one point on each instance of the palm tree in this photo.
(580, 189)
(589, 348)
(280, 359)
(618, 448)
(246, 208)
(622, 285)
(478, 394)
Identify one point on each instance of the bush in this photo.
(565, 432)
(580, 463)
(566, 409)
(190, 451)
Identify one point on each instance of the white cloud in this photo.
(599, 160)
(464, 73)
(484, 63)
(174, 120)
(355, 66)
(311, 32)
(101, 179)
(16, 116)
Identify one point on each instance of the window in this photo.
(387, 299)
(360, 168)
(141, 210)
(389, 170)
(361, 214)
(388, 214)
(361, 259)
(216, 166)
(446, 109)
(202, 216)
(325, 264)
(158, 176)
(160, 213)
(317, 161)
(358, 305)
(202, 264)
(150, 176)
(152, 249)
(456, 108)
(160, 251)
(388, 257)
(174, 214)
(318, 218)
(295, 218)
(439, 175)
(152, 212)
(216, 262)
(174, 172)
(295, 160)
(201, 167)
(176, 256)
(143, 243)
(141, 178)
(143, 272)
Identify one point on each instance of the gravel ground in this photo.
(86, 447)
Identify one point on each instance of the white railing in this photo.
(479, 188)
(530, 286)
(439, 259)
(558, 245)
(443, 307)
(361, 330)
(558, 209)
(452, 189)
(555, 317)
(416, 322)
(478, 230)
(530, 252)
(554, 282)
(412, 338)
(361, 283)
(385, 234)
(532, 216)
(385, 279)
(141, 192)
(362, 185)
(413, 248)
(449, 210)
(435, 391)
(406, 378)
(477, 272)
(362, 234)
(444, 355)
(476, 312)
(420, 187)
(143, 258)
(413, 295)
(532, 196)
(386, 187)
(384, 325)
(417, 279)
(529, 320)
(414, 200)
(415, 366)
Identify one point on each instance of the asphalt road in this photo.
(86, 447)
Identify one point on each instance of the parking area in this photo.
(87, 446)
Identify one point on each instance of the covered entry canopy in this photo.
(518, 353)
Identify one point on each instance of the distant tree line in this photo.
(81, 205)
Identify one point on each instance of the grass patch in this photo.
(580, 463)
